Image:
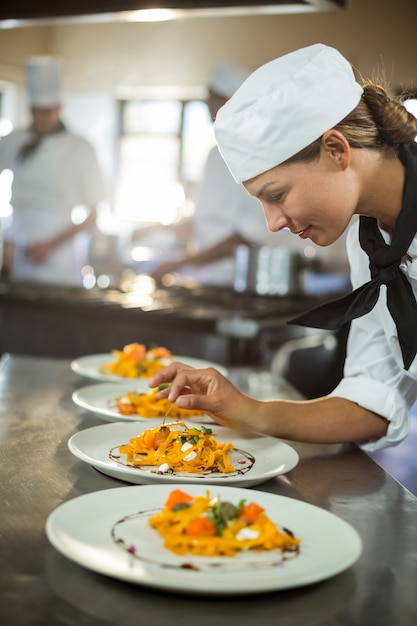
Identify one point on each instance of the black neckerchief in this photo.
(34, 141)
(384, 261)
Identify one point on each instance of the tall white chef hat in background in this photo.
(227, 78)
(284, 106)
(43, 81)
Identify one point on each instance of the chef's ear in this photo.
(336, 147)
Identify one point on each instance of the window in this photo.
(163, 147)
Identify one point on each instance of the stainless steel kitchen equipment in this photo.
(38, 473)
(267, 270)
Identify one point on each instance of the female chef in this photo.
(54, 171)
(317, 148)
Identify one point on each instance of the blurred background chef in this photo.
(57, 185)
(225, 215)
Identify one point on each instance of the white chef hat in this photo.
(226, 78)
(284, 106)
(43, 81)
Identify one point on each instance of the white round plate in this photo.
(100, 400)
(89, 366)
(97, 530)
(256, 458)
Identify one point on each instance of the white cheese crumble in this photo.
(163, 468)
(246, 533)
(190, 456)
(186, 446)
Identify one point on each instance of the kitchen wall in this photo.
(121, 57)
(104, 61)
(107, 60)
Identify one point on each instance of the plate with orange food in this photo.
(221, 541)
(134, 361)
(163, 451)
(129, 402)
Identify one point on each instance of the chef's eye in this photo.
(276, 197)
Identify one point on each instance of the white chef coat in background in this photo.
(61, 174)
(223, 208)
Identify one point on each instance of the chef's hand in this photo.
(165, 268)
(209, 391)
(39, 252)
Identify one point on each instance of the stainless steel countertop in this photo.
(37, 472)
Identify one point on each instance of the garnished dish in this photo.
(148, 405)
(221, 455)
(129, 401)
(206, 526)
(137, 361)
(127, 364)
(176, 447)
(112, 532)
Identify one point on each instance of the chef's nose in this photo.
(275, 219)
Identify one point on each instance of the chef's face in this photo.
(45, 119)
(314, 200)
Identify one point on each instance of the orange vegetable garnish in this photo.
(201, 527)
(153, 438)
(149, 437)
(162, 435)
(135, 351)
(126, 409)
(177, 496)
(159, 353)
(250, 512)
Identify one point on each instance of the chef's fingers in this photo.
(162, 379)
(194, 381)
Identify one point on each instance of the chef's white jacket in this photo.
(374, 374)
(61, 174)
(222, 208)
